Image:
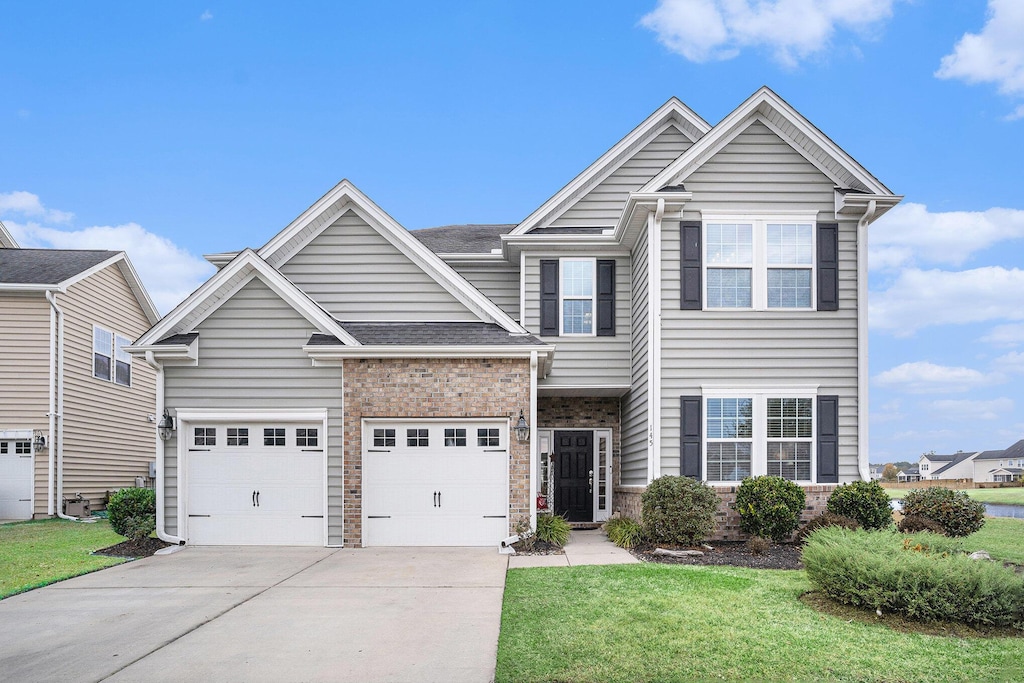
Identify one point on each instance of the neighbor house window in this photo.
(577, 296)
(759, 264)
(730, 429)
(110, 361)
(789, 424)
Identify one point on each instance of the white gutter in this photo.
(533, 440)
(57, 445)
(862, 340)
(159, 483)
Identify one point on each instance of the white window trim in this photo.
(759, 438)
(759, 263)
(562, 297)
(112, 355)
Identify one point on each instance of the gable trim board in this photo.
(7, 240)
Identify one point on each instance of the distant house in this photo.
(954, 466)
(912, 473)
(76, 412)
(875, 472)
(1000, 466)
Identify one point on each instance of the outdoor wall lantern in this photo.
(522, 429)
(166, 426)
(39, 442)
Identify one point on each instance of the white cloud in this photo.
(996, 55)
(28, 205)
(206, 15)
(910, 234)
(706, 30)
(169, 272)
(967, 410)
(921, 298)
(1005, 335)
(888, 412)
(1011, 363)
(923, 377)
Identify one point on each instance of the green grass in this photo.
(34, 554)
(1002, 537)
(653, 622)
(1010, 496)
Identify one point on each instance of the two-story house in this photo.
(76, 413)
(694, 302)
(953, 466)
(1000, 466)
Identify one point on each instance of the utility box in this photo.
(77, 508)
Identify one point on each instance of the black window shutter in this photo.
(828, 439)
(689, 437)
(549, 297)
(828, 266)
(606, 298)
(690, 256)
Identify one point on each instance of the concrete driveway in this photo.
(264, 614)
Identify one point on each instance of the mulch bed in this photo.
(141, 548)
(731, 553)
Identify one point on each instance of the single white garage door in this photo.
(16, 478)
(435, 483)
(255, 484)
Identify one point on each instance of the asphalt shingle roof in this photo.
(957, 459)
(463, 239)
(179, 339)
(428, 334)
(47, 266)
(990, 455)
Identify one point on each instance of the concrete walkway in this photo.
(584, 547)
(264, 614)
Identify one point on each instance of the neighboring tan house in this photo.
(694, 302)
(955, 466)
(1000, 466)
(76, 411)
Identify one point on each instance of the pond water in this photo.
(992, 509)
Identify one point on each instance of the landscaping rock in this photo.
(678, 553)
(980, 555)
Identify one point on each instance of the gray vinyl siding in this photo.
(584, 361)
(758, 171)
(633, 463)
(356, 274)
(109, 439)
(499, 282)
(250, 357)
(602, 206)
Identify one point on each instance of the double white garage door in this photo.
(434, 483)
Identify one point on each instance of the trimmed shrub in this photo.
(769, 507)
(758, 546)
(958, 513)
(912, 524)
(825, 519)
(864, 501)
(553, 529)
(624, 532)
(678, 510)
(925, 576)
(132, 513)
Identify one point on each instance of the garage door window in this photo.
(417, 438)
(206, 436)
(454, 437)
(306, 438)
(273, 436)
(488, 437)
(383, 437)
(238, 436)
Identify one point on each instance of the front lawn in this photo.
(34, 554)
(1002, 537)
(654, 622)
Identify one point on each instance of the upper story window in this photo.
(577, 297)
(110, 362)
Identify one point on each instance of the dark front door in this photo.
(574, 475)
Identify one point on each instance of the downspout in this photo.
(862, 340)
(51, 414)
(654, 343)
(159, 483)
(534, 454)
(57, 445)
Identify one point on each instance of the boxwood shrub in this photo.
(132, 513)
(958, 513)
(769, 507)
(678, 510)
(864, 501)
(922, 576)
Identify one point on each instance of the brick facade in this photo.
(409, 388)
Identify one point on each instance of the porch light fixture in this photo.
(166, 426)
(39, 442)
(522, 429)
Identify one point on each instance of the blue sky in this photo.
(172, 130)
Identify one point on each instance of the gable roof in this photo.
(345, 197)
(47, 266)
(7, 240)
(775, 113)
(955, 460)
(1016, 450)
(673, 112)
(181, 322)
(990, 455)
(463, 239)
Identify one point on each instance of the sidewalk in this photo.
(584, 547)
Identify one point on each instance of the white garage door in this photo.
(435, 483)
(15, 479)
(255, 484)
